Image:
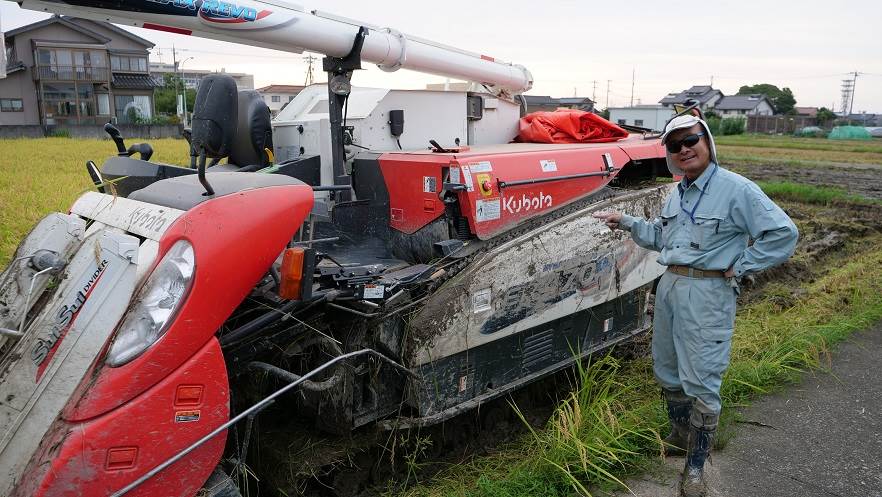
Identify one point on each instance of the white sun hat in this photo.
(681, 122)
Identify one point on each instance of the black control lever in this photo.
(114, 133)
(144, 149)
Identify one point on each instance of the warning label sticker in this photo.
(487, 210)
(454, 175)
(481, 301)
(187, 416)
(481, 167)
(548, 166)
(430, 184)
(467, 176)
(374, 291)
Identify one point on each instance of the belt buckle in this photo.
(692, 272)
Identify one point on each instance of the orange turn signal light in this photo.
(291, 273)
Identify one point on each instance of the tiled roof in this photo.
(700, 93)
(281, 89)
(134, 81)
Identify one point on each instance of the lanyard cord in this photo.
(683, 191)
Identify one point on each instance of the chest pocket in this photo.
(668, 217)
(709, 231)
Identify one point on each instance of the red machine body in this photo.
(123, 421)
(504, 185)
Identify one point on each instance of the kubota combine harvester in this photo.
(334, 264)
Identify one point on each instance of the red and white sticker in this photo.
(187, 416)
(481, 167)
(487, 210)
(548, 166)
(374, 291)
(467, 176)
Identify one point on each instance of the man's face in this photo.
(692, 160)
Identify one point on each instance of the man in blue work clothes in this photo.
(703, 235)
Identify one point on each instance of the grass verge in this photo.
(609, 427)
(810, 194)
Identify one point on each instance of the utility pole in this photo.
(594, 91)
(310, 75)
(848, 94)
(853, 84)
(607, 92)
(633, 76)
(712, 80)
(177, 81)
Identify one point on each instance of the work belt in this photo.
(691, 272)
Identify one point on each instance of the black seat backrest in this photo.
(254, 131)
(215, 116)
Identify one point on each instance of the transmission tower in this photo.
(848, 94)
(310, 74)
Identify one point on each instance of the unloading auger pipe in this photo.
(253, 410)
(283, 26)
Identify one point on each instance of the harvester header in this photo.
(284, 26)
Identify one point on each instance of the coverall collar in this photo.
(701, 182)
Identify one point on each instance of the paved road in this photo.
(820, 438)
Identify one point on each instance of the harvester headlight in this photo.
(155, 305)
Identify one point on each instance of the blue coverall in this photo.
(706, 225)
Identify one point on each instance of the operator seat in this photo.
(254, 132)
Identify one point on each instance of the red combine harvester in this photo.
(334, 266)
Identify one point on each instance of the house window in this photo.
(128, 64)
(622, 121)
(11, 105)
(103, 104)
(277, 98)
(638, 122)
(132, 108)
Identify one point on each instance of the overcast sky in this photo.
(809, 46)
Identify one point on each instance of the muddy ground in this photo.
(377, 462)
(858, 179)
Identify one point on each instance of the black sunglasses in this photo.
(689, 141)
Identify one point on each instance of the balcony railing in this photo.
(71, 73)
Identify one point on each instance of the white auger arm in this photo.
(283, 26)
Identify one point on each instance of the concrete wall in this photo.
(88, 131)
(653, 117)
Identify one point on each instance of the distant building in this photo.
(806, 111)
(646, 116)
(706, 96)
(745, 105)
(278, 96)
(192, 77)
(537, 103)
(66, 70)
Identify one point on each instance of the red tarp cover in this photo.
(567, 126)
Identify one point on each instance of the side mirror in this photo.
(215, 118)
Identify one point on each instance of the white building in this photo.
(192, 77)
(278, 96)
(645, 116)
(744, 105)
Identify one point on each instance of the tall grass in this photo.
(609, 427)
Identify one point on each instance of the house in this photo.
(745, 105)
(647, 116)
(68, 71)
(537, 103)
(811, 112)
(278, 96)
(706, 96)
(192, 77)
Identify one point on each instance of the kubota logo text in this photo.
(527, 203)
(44, 348)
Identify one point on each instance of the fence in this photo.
(775, 125)
(142, 131)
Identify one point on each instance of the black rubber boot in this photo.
(679, 407)
(702, 428)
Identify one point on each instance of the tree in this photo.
(825, 115)
(166, 97)
(782, 98)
